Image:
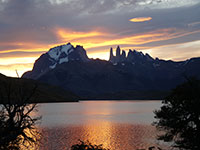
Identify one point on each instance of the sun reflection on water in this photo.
(116, 125)
(100, 133)
(111, 135)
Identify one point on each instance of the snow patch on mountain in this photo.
(60, 54)
(56, 52)
(53, 66)
(62, 60)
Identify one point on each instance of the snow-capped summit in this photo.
(58, 55)
(55, 53)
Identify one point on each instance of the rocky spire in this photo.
(123, 56)
(118, 51)
(118, 54)
(130, 55)
(111, 59)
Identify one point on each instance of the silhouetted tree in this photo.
(87, 146)
(179, 116)
(17, 126)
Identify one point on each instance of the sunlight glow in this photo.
(101, 55)
(181, 53)
(99, 134)
(10, 65)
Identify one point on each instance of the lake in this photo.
(118, 125)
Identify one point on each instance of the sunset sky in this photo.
(168, 29)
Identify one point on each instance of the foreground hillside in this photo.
(18, 88)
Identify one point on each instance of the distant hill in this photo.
(125, 76)
(20, 87)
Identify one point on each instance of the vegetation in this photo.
(179, 116)
(17, 125)
(87, 146)
(152, 148)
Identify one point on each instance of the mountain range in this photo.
(124, 76)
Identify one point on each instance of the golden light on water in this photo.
(103, 122)
(111, 135)
(98, 133)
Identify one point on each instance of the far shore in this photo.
(85, 100)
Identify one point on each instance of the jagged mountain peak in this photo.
(149, 57)
(123, 53)
(65, 53)
(111, 54)
(56, 52)
(132, 56)
(56, 56)
(118, 51)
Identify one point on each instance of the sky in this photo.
(167, 29)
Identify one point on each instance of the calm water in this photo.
(118, 125)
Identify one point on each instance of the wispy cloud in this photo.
(140, 19)
(194, 24)
(70, 35)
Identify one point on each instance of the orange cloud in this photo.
(140, 19)
(95, 39)
(17, 60)
(24, 47)
(136, 39)
(69, 35)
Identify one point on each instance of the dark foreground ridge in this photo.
(43, 92)
(132, 76)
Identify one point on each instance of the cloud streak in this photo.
(140, 19)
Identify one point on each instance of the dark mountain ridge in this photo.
(43, 93)
(71, 69)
